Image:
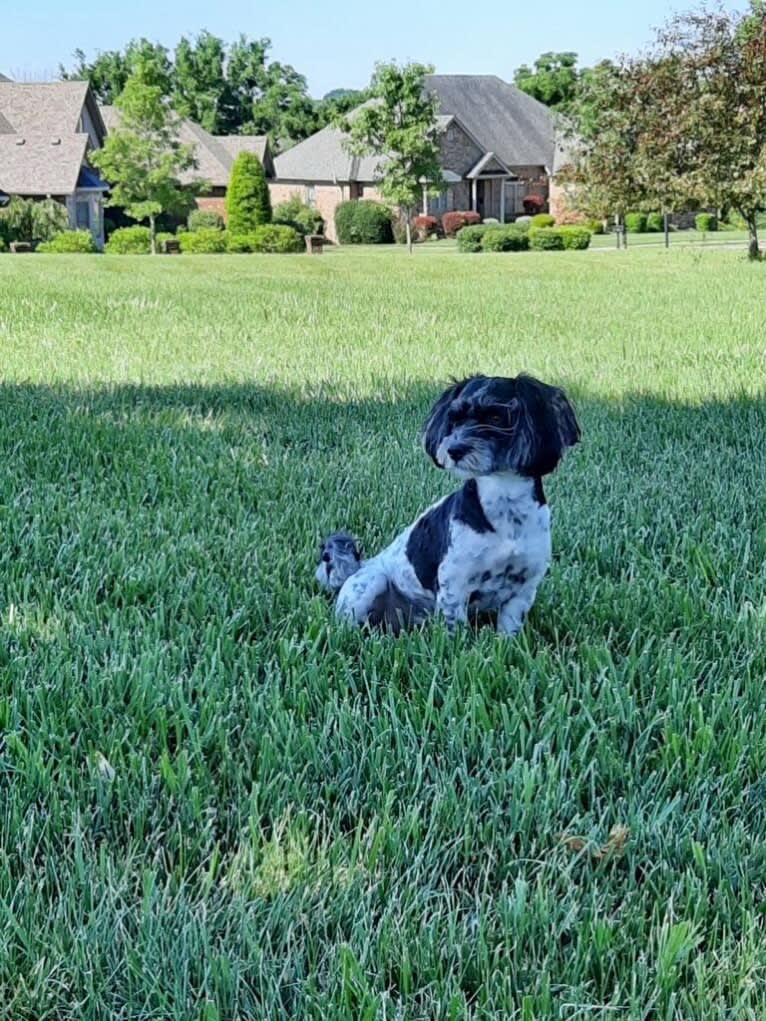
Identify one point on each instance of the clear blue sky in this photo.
(336, 44)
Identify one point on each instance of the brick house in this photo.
(47, 131)
(497, 145)
(214, 155)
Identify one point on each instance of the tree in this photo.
(399, 126)
(109, 72)
(248, 204)
(200, 90)
(553, 80)
(142, 158)
(687, 123)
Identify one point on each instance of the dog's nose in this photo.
(325, 558)
(457, 451)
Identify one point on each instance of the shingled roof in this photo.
(42, 141)
(214, 154)
(501, 118)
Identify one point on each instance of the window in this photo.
(309, 196)
(83, 215)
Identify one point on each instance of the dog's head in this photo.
(487, 424)
(339, 558)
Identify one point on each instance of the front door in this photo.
(481, 197)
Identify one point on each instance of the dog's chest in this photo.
(500, 563)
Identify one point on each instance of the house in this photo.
(214, 155)
(47, 131)
(497, 145)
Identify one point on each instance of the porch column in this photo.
(425, 200)
(502, 200)
(473, 195)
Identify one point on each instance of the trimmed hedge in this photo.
(556, 239)
(655, 223)
(594, 226)
(635, 223)
(130, 241)
(545, 239)
(706, 222)
(271, 238)
(68, 241)
(523, 222)
(204, 219)
(575, 238)
(425, 226)
(363, 223)
(455, 221)
(293, 213)
(469, 238)
(206, 241)
(542, 220)
(504, 239)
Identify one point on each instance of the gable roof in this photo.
(215, 154)
(500, 118)
(503, 119)
(41, 165)
(42, 141)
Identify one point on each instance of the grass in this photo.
(216, 804)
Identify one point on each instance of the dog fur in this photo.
(484, 547)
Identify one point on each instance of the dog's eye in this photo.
(496, 418)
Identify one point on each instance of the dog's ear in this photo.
(545, 426)
(435, 427)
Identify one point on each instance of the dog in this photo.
(485, 547)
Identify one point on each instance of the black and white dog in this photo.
(484, 547)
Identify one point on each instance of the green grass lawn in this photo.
(217, 804)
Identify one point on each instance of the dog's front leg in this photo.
(510, 616)
(451, 596)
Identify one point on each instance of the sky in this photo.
(335, 45)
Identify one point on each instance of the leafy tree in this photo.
(248, 204)
(142, 158)
(31, 221)
(399, 126)
(552, 80)
(687, 123)
(200, 88)
(108, 72)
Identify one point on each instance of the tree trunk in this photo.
(153, 229)
(666, 225)
(753, 248)
(408, 228)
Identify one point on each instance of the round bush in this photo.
(576, 238)
(130, 241)
(425, 226)
(456, 220)
(363, 223)
(277, 238)
(504, 239)
(532, 204)
(469, 238)
(594, 226)
(293, 213)
(204, 219)
(655, 223)
(68, 241)
(546, 239)
(542, 220)
(206, 241)
(635, 223)
(706, 222)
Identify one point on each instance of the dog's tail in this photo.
(393, 611)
